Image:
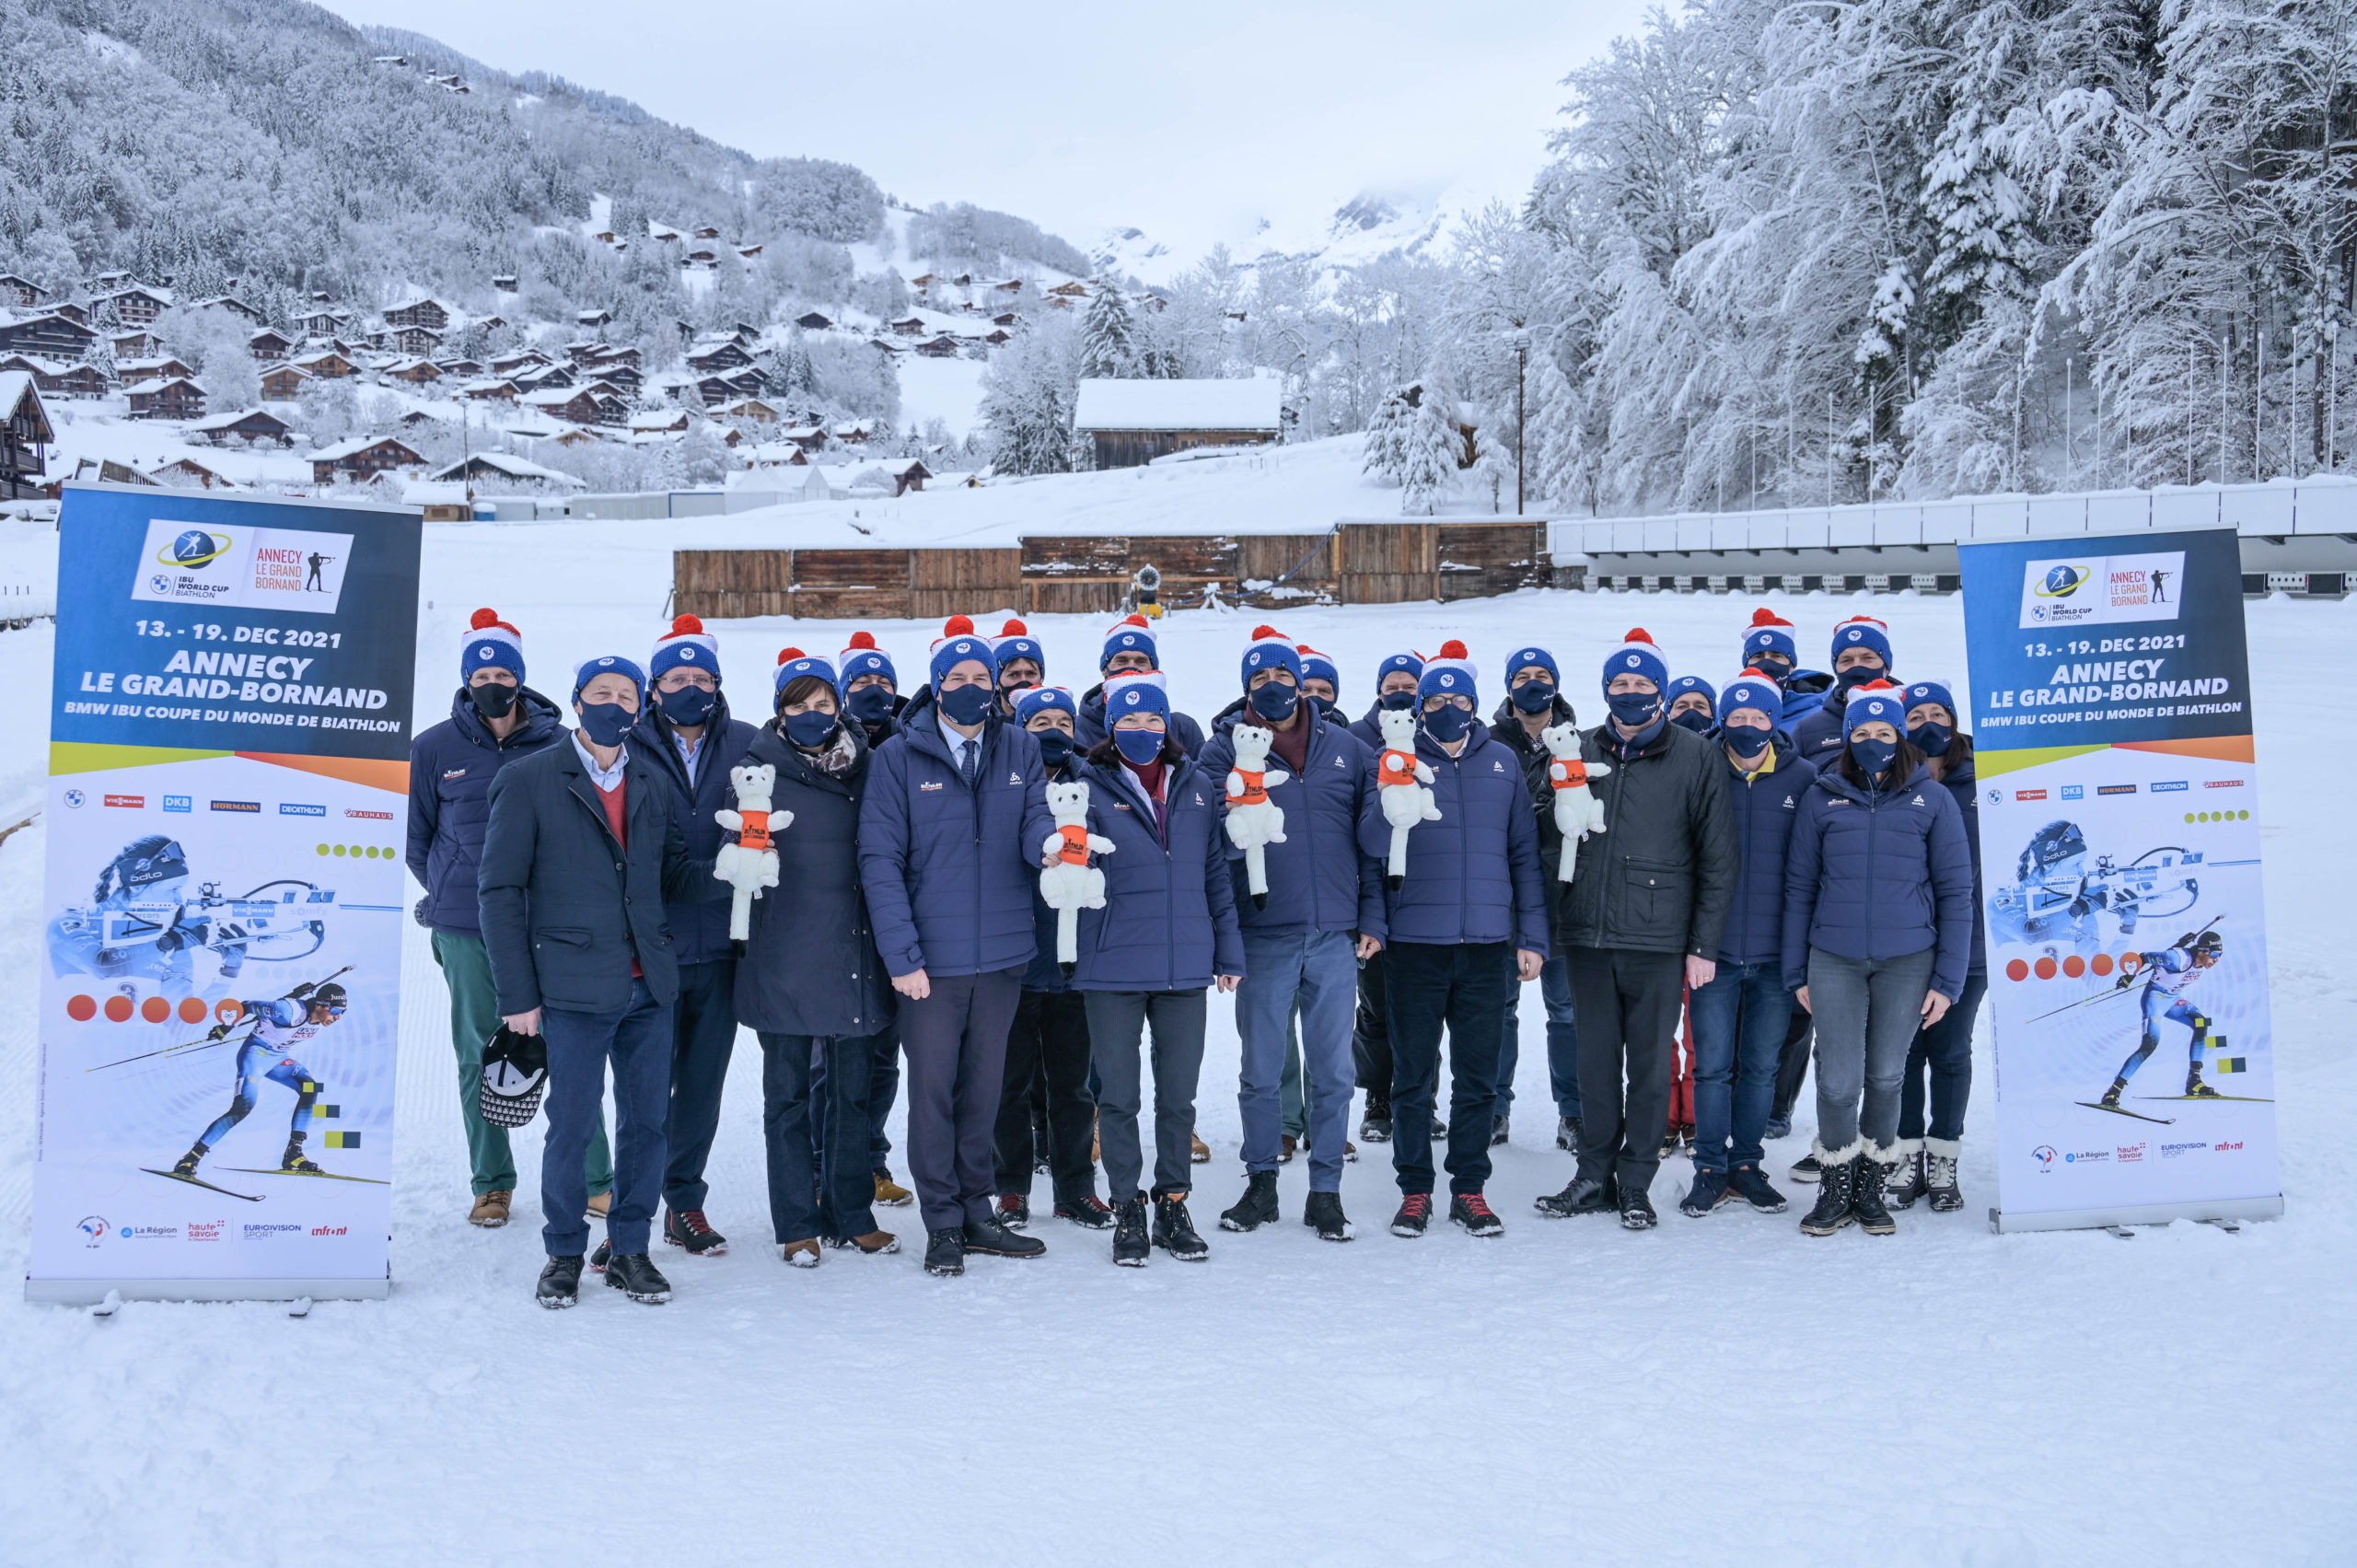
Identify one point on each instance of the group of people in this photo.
(1774, 869)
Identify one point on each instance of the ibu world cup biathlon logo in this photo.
(194, 550)
(2063, 581)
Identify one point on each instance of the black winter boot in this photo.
(1175, 1233)
(1904, 1185)
(944, 1251)
(1586, 1195)
(1324, 1213)
(635, 1275)
(1131, 1248)
(1875, 1166)
(1375, 1125)
(1257, 1207)
(1837, 1181)
(560, 1284)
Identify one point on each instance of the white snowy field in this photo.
(1719, 1388)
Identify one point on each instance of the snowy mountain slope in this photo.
(2045, 1398)
(1365, 227)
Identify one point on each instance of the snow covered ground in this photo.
(1720, 1388)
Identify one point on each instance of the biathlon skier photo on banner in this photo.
(224, 901)
(2119, 827)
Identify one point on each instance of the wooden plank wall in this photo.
(1354, 564)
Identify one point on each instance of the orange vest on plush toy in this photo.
(755, 834)
(1566, 774)
(1074, 851)
(1254, 792)
(1396, 768)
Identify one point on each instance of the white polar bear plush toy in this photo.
(751, 864)
(1405, 784)
(1578, 813)
(1071, 884)
(1253, 820)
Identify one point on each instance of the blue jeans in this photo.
(637, 1039)
(1739, 1021)
(1318, 970)
(1563, 1039)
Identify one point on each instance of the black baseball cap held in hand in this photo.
(515, 1074)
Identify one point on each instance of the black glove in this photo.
(218, 1031)
(418, 914)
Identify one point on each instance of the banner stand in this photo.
(2147, 1214)
(89, 1292)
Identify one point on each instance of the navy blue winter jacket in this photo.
(1169, 921)
(1821, 730)
(1963, 782)
(1472, 875)
(1320, 878)
(450, 769)
(1366, 731)
(1766, 807)
(951, 871)
(1879, 874)
(699, 930)
(1090, 724)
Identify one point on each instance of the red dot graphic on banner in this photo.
(154, 1009)
(82, 1009)
(2017, 971)
(227, 1010)
(2102, 966)
(119, 1008)
(2045, 969)
(2075, 965)
(192, 1010)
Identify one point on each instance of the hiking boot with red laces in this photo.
(1471, 1211)
(1415, 1213)
(1090, 1211)
(1013, 1211)
(686, 1227)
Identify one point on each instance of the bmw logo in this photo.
(74, 797)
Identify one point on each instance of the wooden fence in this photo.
(1351, 564)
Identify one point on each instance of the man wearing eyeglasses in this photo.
(280, 1024)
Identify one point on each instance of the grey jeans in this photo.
(1867, 1011)
(1116, 1021)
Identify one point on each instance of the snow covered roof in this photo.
(15, 385)
(353, 448)
(224, 421)
(506, 466)
(1242, 403)
(553, 397)
(36, 362)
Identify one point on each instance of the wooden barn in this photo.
(1133, 423)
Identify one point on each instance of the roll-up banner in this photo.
(228, 772)
(2119, 857)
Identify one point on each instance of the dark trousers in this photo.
(637, 1039)
(1371, 1031)
(1117, 1021)
(955, 1042)
(1792, 1062)
(703, 1036)
(1463, 985)
(816, 1137)
(883, 1093)
(1737, 1022)
(1945, 1051)
(1628, 1004)
(1048, 1044)
(1562, 1037)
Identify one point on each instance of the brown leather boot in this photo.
(803, 1254)
(491, 1209)
(875, 1244)
(891, 1193)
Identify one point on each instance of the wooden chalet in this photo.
(323, 323)
(749, 253)
(283, 383)
(20, 291)
(752, 409)
(252, 428)
(173, 396)
(727, 354)
(909, 326)
(70, 311)
(25, 432)
(503, 281)
(56, 380)
(497, 389)
(415, 340)
(1070, 291)
(136, 343)
(188, 474)
(363, 456)
(923, 281)
(573, 403)
(805, 437)
(704, 231)
(132, 372)
(945, 346)
(1007, 285)
(885, 346)
(269, 345)
(596, 317)
(1133, 423)
(233, 305)
(328, 365)
(414, 372)
(661, 422)
(424, 311)
(509, 363)
(50, 334)
(138, 305)
(998, 335)
(1006, 319)
(543, 378)
(812, 321)
(460, 367)
(704, 258)
(908, 476)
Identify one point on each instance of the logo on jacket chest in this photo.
(454, 774)
(931, 787)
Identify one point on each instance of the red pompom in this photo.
(1261, 631)
(1452, 649)
(958, 626)
(787, 655)
(687, 625)
(1638, 635)
(1764, 616)
(1135, 620)
(863, 640)
(484, 618)
(1013, 628)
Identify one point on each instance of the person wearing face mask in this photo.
(1129, 645)
(1469, 919)
(1045, 1084)
(1738, 1018)
(872, 700)
(1860, 654)
(1321, 683)
(1693, 704)
(495, 719)
(948, 849)
(1324, 914)
(1534, 700)
(811, 985)
(1395, 687)
(1641, 922)
(1022, 663)
(583, 856)
(1768, 650)
(691, 744)
(1877, 936)
(1927, 1159)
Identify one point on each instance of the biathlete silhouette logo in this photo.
(196, 548)
(2063, 581)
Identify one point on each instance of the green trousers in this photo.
(474, 1018)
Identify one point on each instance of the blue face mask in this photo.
(1396, 699)
(1633, 708)
(1694, 719)
(967, 704)
(1775, 666)
(605, 723)
(1054, 746)
(1932, 739)
(1448, 723)
(1874, 756)
(1855, 676)
(688, 706)
(871, 704)
(1535, 696)
(1746, 739)
(1274, 701)
(810, 730)
(1325, 705)
(1139, 745)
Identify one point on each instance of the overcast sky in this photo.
(1188, 121)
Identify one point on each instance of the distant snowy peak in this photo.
(1366, 227)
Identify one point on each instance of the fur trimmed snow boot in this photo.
(1905, 1183)
(1877, 1167)
(1940, 1157)
(1836, 1180)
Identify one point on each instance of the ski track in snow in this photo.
(1567, 1391)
